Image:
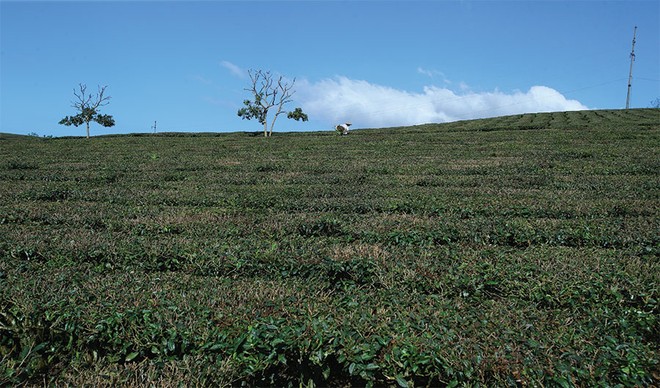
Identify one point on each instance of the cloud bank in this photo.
(365, 104)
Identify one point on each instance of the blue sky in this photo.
(375, 63)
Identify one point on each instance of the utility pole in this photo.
(154, 127)
(632, 59)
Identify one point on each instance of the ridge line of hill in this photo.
(638, 118)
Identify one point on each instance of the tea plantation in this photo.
(513, 251)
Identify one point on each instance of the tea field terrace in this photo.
(519, 250)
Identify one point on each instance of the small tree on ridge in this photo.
(88, 106)
(268, 94)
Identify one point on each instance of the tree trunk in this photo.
(87, 129)
(272, 125)
(265, 129)
(270, 133)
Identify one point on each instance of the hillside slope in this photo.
(589, 119)
(520, 250)
(630, 119)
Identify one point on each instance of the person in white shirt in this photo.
(343, 128)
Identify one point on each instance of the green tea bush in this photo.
(512, 251)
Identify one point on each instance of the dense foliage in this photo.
(87, 115)
(520, 250)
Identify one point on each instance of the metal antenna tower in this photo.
(154, 127)
(632, 59)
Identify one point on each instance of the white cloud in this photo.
(342, 99)
(234, 69)
(433, 73)
(429, 73)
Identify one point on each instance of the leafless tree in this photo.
(269, 93)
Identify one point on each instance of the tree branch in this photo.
(87, 106)
(268, 94)
(101, 101)
(83, 102)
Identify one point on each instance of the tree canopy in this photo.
(269, 93)
(88, 106)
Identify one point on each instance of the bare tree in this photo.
(268, 94)
(88, 106)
